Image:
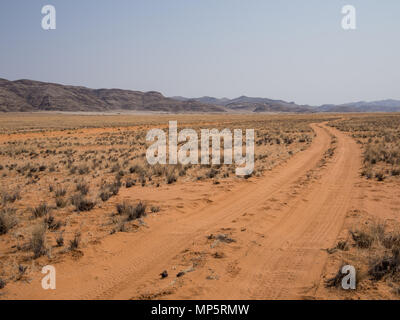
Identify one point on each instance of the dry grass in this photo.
(72, 170)
(7, 220)
(379, 136)
(374, 252)
(38, 241)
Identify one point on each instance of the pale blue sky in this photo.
(294, 50)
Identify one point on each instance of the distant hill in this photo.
(207, 100)
(362, 106)
(251, 104)
(28, 95)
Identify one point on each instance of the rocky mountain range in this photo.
(389, 105)
(30, 96)
(251, 104)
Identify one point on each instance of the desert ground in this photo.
(77, 193)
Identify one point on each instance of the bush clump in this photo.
(81, 203)
(38, 241)
(41, 210)
(7, 220)
(131, 212)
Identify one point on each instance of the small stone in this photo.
(180, 274)
(164, 274)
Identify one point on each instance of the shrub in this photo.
(211, 173)
(387, 265)
(367, 172)
(83, 169)
(61, 202)
(82, 187)
(131, 212)
(158, 170)
(38, 241)
(129, 183)
(391, 240)
(114, 187)
(362, 239)
(60, 192)
(60, 240)
(121, 226)
(109, 190)
(81, 203)
(379, 176)
(104, 195)
(7, 220)
(395, 172)
(74, 243)
(171, 177)
(41, 210)
(2, 283)
(342, 245)
(51, 223)
(137, 168)
(336, 280)
(72, 170)
(21, 271)
(10, 197)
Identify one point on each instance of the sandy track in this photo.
(280, 223)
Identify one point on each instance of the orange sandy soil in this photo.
(265, 237)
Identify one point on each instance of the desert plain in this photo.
(77, 193)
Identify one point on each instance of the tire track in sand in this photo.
(288, 261)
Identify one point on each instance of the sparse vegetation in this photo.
(61, 202)
(374, 250)
(81, 203)
(38, 241)
(74, 243)
(51, 223)
(60, 192)
(60, 239)
(10, 197)
(336, 280)
(61, 166)
(41, 210)
(379, 135)
(171, 177)
(131, 212)
(83, 188)
(7, 220)
(2, 284)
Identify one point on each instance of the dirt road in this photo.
(261, 239)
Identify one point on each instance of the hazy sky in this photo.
(294, 50)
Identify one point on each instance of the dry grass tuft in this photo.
(38, 241)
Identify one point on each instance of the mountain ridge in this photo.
(256, 104)
(26, 95)
(29, 96)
